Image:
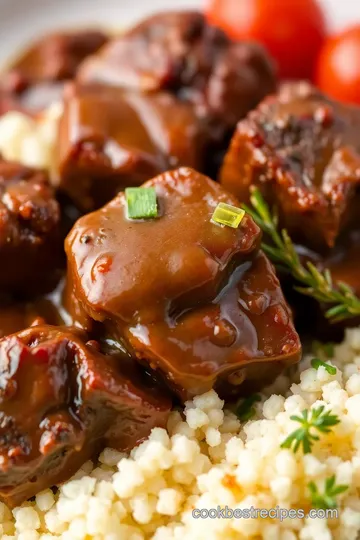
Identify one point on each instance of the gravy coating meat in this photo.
(35, 79)
(182, 53)
(196, 301)
(303, 150)
(30, 243)
(61, 401)
(110, 139)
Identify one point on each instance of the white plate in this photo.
(23, 20)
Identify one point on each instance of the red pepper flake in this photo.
(104, 264)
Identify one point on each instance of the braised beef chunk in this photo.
(303, 151)
(33, 81)
(61, 402)
(194, 300)
(57, 56)
(110, 139)
(30, 244)
(181, 53)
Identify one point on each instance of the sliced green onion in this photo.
(316, 363)
(141, 203)
(225, 214)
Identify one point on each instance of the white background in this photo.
(22, 20)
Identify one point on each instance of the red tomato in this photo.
(293, 31)
(338, 72)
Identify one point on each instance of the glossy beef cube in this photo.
(127, 401)
(181, 53)
(109, 140)
(194, 300)
(303, 151)
(30, 243)
(34, 80)
(76, 400)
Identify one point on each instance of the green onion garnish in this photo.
(316, 363)
(141, 203)
(225, 214)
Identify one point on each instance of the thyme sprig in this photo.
(315, 283)
(326, 499)
(312, 423)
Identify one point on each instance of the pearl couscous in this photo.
(207, 458)
(30, 141)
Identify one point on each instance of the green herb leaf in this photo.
(316, 363)
(245, 409)
(317, 419)
(326, 500)
(141, 203)
(315, 283)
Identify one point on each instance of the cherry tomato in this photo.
(338, 72)
(293, 31)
